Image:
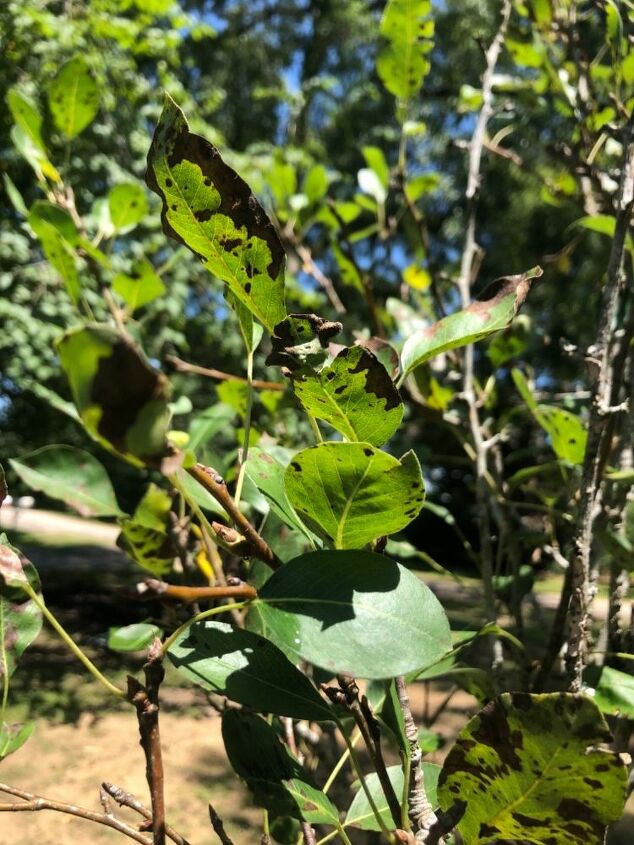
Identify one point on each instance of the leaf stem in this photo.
(37, 600)
(247, 429)
(213, 611)
(315, 428)
(340, 763)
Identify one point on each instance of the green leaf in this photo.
(145, 536)
(403, 64)
(209, 422)
(141, 287)
(315, 807)
(73, 97)
(375, 159)
(353, 612)
(355, 395)
(38, 159)
(128, 205)
(530, 767)
(13, 737)
(193, 490)
(16, 198)
(211, 210)
(614, 694)
(502, 300)
(353, 493)
(135, 637)
(315, 184)
(70, 475)
(122, 400)
(259, 758)
(360, 813)
(20, 617)
(567, 434)
(58, 217)
(26, 115)
(248, 669)
(267, 473)
(58, 251)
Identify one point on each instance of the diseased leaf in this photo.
(26, 115)
(355, 395)
(360, 813)
(135, 637)
(353, 612)
(139, 288)
(211, 210)
(500, 303)
(70, 475)
(73, 97)
(352, 493)
(301, 341)
(13, 737)
(128, 205)
(402, 63)
(531, 767)
(145, 536)
(248, 669)
(122, 400)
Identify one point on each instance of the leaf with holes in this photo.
(532, 768)
(122, 400)
(248, 669)
(73, 97)
(353, 612)
(402, 63)
(71, 476)
(211, 210)
(496, 309)
(352, 493)
(355, 395)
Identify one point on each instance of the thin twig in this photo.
(190, 594)
(420, 811)
(309, 266)
(600, 425)
(215, 484)
(33, 803)
(126, 799)
(219, 375)
(146, 701)
(219, 828)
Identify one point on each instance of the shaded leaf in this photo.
(248, 669)
(57, 250)
(16, 198)
(135, 637)
(27, 115)
(146, 536)
(70, 475)
(353, 612)
(614, 693)
(355, 395)
(210, 209)
(122, 400)
(4, 490)
(73, 97)
(34, 155)
(314, 806)
(58, 217)
(353, 493)
(360, 813)
(531, 767)
(128, 205)
(500, 303)
(209, 422)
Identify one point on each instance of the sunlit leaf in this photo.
(352, 493)
(128, 205)
(532, 766)
(55, 246)
(13, 737)
(73, 97)
(26, 115)
(210, 209)
(360, 813)
(267, 473)
(353, 612)
(500, 303)
(139, 288)
(402, 63)
(135, 637)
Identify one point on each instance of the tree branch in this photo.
(215, 484)
(146, 701)
(219, 375)
(219, 828)
(126, 799)
(33, 803)
(191, 594)
(600, 426)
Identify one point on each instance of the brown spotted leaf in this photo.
(211, 210)
(301, 341)
(20, 618)
(494, 311)
(532, 768)
(122, 400)
(355, 395)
